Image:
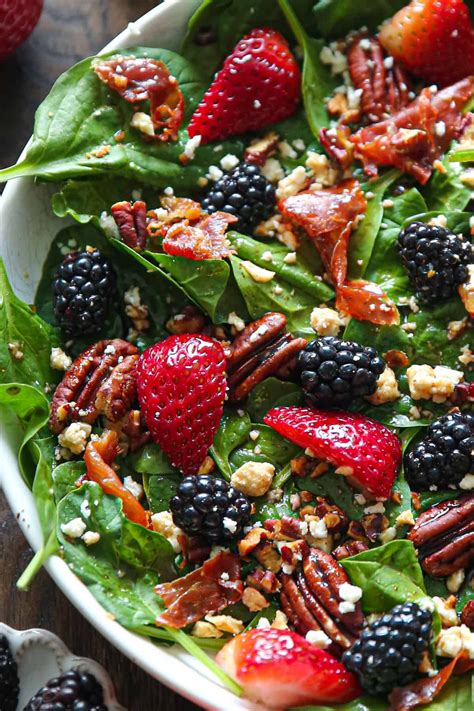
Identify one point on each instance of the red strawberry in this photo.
(279, 668)
(17, 20)
(258, 84)
(370, 450)
(181, 388)
(433, 38)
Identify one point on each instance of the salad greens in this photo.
(83, 141)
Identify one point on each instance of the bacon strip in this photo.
(411, 139)
(328, 216)
(208, 589)
(143, 78)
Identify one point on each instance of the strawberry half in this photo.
(18, 18)
(259, 84)
(434, 39)
(279, 669)
(181, 387)
(370, 453)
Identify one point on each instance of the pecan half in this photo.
(310, 598)
(261, 350)
(348, 549)
(467, 614)
(385, 85)
(101, 381)
(131, 222)
(444, 536)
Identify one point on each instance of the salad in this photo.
(245, 387)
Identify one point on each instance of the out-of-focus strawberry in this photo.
(18, 18)
(434, 39)
(181, 388)
(259, 84)
(367, 452)
(279, 669)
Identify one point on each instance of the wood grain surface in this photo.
(68, 31)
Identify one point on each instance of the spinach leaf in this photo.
(364, 238)
(388, 575)
(150, 459)
(364, 703)
(270, 447)
(445, 191)
(335, 18)
(160, 478)
(303, 274)
(65, 478)
(317, 82)
(275, 295)
(272, 393)
(233, 431)
(25, 340)
(121, 540)
(159, 489)
(81, 115)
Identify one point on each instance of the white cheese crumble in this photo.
(466, 291)
(455, 580)
(290, 258)
(214, 173)
(350, 593)
(455, 640)
(387, 388)
(437, 384)
(253, 478)
(375, 508)
(235, 321)
(286, 150)
(346, 607)
(325, 321)
(163, 523)
(59, 360)
(90, 538)
(229, 524)
(272, 170)
(318, 639)
(192, 144)
(134, 487)
(467, 482)
(229, 161)
(334, 58)
(74, 528)
(267, 256)
(85, 509)
(292, 184)
(75, 436)
(143, 123)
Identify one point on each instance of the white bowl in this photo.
(28, 225)
(41, 656)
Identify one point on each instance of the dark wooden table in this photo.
(68, 31)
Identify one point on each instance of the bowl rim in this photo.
(172, 667)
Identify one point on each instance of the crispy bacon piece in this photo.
(412, 139)
(384, 89)
(424, 690)
(208, 589)
(189, 232)
(143, 78)
(131, 222)
(328, 216)
(99, 455)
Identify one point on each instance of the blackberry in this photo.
(204, 505)
(74, 690)
(445, 454)
(9, 682)
(436, 260)
(84, 287)
(334, 372)
(388, 653)
(245, 193)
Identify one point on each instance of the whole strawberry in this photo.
(278, 669)
(18, 18)
(181, 388)
(434, 39)
(364, 450)
(259, 84)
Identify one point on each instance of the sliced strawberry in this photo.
(369, 452)
(181, 388)
(434, 39)
(18, 18)
(259, 84)
(279, 669)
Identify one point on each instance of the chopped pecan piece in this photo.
(384, 89)
(346, 550)
(190, 320)
(101, 381)
(286, 528)
(467, 615)
(263, 580)
(310, 598)
(333, 516)
(268, 556)
(131, 222)
(444, 536)
(262, 148)
(261, 350)
(253, 538)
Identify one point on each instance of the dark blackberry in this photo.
(334, 372)
(73, 690)
(84, 287)
(245, 193)
(436, 260)
(445, 454)
(9, 682)
(204, 505)
(388, 653)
